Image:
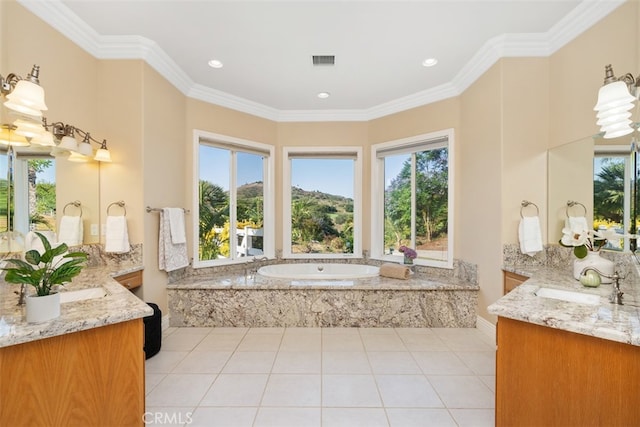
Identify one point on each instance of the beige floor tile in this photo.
(219, 342)
(474, 417)
(423, 342)
(260, 342)
(410, 417)
(288, 417)
(393, 362)
(441, 363)
(340, 331)
(466, 392)
(205, 416)
(265, 331)
(164, 361)
(181, 341)
(301, 342)
(354, 417)
(203, 362)
(180, 390)
(250, 362)
(151, 380)
(236, 390)
(383, 342)
(292, 390)
(229, 331)
(298, 362)
(489, 381)
(350, 391)
(480, 362)
(342, 342)
(345, 362)
(407, 391)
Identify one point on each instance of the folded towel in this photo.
(171, 256)
(395, 271)
(530, 235)
(70, 231)
(176, 222)
(576, 223)
(116, 235)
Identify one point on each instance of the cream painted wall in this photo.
(164, 172)
(481, 183)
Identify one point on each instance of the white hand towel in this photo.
(176, 222)
(32, 241)
(530, 235)
(171, 256)
(576, 223)
(116, 235)
(70, 231)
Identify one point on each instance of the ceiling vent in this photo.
(324, 60)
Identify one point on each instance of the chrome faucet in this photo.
(616, 293)
(251, 272)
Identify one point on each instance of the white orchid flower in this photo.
(607, 234)
(574, 238)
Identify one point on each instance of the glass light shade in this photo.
(85, 149)
(613, 111)
(57, 152)
(68, 143)
(44, 139)
(9, 137)
(621, 124)
(612, 95)
(618, 133)
(28, 128)
(77, 157)
(614, 118)
(27, 98)
(102, 155)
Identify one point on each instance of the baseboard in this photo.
(165, 322)
(487, 327)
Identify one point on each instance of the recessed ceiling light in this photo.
(429, 62)
(215, 63)
(323, 95)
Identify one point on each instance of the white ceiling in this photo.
(266, 46)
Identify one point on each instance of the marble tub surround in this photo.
(236, 300)
(603, 320)
(118, 305)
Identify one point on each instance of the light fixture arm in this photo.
(9, 83)
(633, 84)
(59, 129)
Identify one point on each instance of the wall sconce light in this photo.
(615, 102)
(25, 96)
(78, 152)
(8, 136)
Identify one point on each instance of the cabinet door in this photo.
(512, 280)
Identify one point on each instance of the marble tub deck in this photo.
(232, 300)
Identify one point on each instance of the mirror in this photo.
(36, 190)
(596, 173)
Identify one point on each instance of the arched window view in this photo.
(231, 203)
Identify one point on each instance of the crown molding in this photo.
(60, 17)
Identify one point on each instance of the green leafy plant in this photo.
(44, 270)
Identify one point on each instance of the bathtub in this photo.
(312, 271)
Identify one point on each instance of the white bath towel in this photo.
(176, 222)
(576, 223)
(530, 235)
(70, 230)
(116, 235)
(171, 256)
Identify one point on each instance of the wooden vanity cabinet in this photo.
(512, 280)
(130, 280)
(549, 377)
(86, 378)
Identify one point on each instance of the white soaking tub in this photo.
(313, 271)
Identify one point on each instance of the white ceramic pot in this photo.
(42, 309)
(593, 259)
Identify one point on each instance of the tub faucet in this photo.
(616, 293)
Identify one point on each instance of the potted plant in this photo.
(45, 272)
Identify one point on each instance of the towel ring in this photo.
(572, 203)
(75, 203)
(118, 203)
(526, 203)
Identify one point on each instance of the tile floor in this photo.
(298, 377)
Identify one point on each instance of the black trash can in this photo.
(152, 332)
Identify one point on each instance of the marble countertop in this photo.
(118, 305)
(234, 281)
(603, 320)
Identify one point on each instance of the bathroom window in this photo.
(322, 202)
(612, 201)
(234, 200)
(412, 199)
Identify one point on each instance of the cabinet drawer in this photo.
(512, 280)
(130, 280)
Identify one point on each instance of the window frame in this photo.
(419, 142)
(321, 152)
(234, 144)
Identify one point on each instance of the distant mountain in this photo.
(254, 189)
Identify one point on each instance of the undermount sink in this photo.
(569, 296)
(82, 294)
